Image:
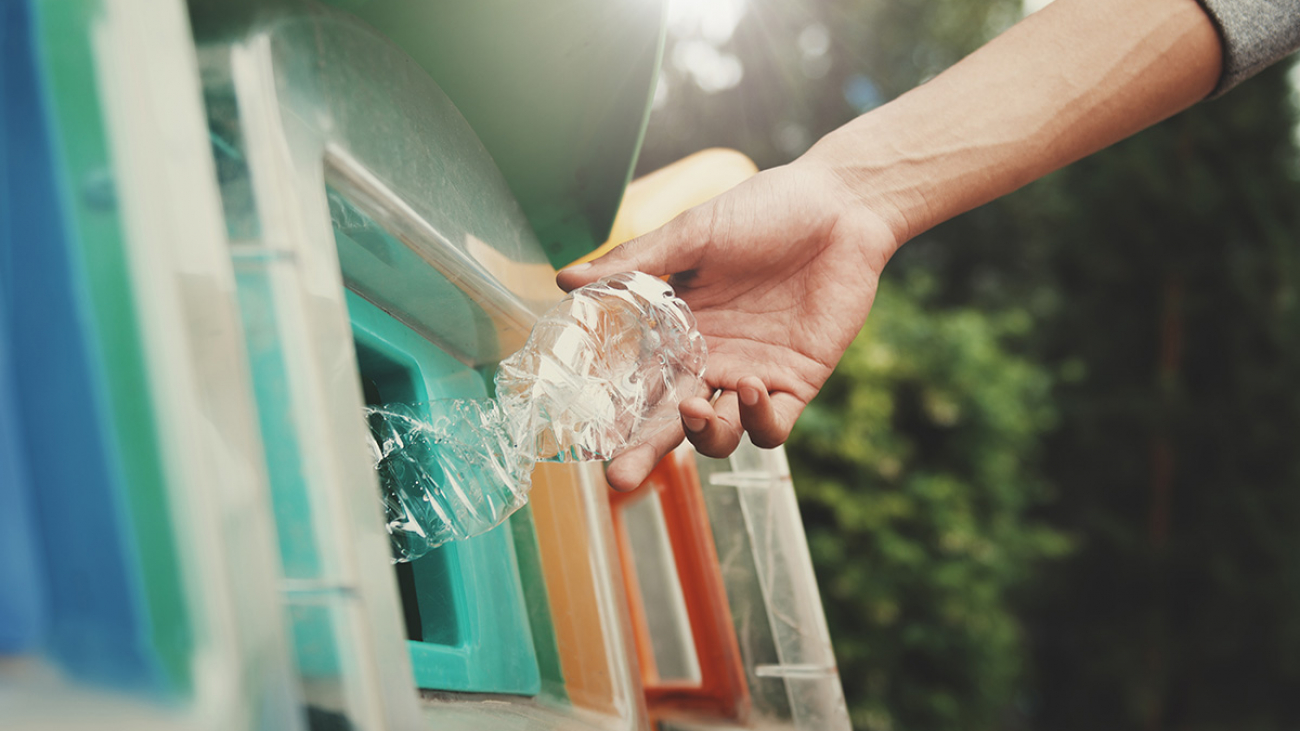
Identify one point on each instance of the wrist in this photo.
(852, 208)
(869, 172)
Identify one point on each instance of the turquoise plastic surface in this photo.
(473, 627)
(390, 273)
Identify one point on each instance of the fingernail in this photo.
(694, 425)
(579, 267)
(749, 395)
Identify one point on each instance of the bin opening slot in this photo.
(655, 571)
(421, 336)
(425, 584)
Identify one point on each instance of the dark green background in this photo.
(1055, 484)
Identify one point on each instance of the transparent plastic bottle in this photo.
(451, 475)
(602, 371)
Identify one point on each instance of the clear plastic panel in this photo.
(329, 604)
(775, 603)
(660, 590)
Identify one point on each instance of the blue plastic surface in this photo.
(89, 592)
(22, 593)
(21, 590)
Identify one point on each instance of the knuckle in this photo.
(767, 440)
(716, 446)
(708, 448)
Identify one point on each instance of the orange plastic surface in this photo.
(562, 536)
(722, 691)
(657, 198)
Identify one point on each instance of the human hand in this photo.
(780, 273)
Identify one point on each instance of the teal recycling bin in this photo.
(465, 611)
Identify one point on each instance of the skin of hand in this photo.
(780, 281)
(781, 270)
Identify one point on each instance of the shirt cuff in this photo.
(1254, 34)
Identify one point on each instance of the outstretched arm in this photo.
(1061, 84)
(781, 271)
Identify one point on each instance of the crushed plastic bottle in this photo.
(451, 475)
(602, 371)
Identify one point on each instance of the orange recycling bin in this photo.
(689, 658)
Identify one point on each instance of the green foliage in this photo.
(914, 468)
(1177, 454)
(1158, 284)
(1162, 275)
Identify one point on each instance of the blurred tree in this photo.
(1172, 316)
(914, 468)
(1162, 276)
(770, 77)
(1159, 283)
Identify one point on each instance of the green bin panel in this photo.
(63, 34)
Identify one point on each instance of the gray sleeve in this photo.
(1255, 33)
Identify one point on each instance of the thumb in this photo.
(665, 251)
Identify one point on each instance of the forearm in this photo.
(1065, 82)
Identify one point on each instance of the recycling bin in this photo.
(227, 228)
(133, 467)
(398, 268)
